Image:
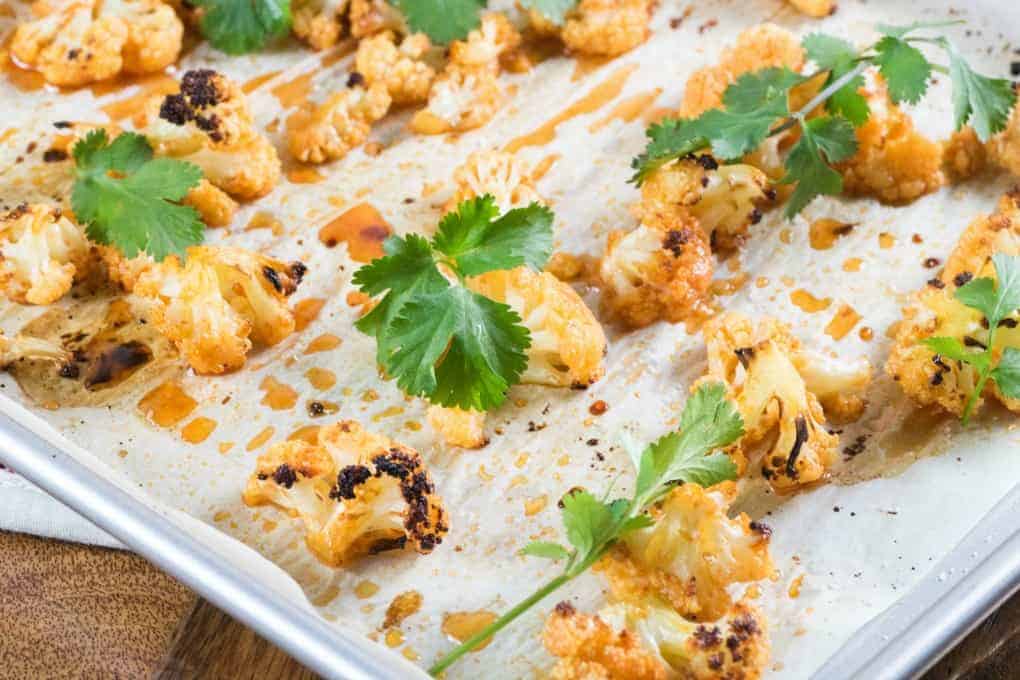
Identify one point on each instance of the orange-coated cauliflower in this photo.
(567, 342)
(894, 162)
(368, 17)
(963, 155)
(484, 46)
(402, 69)
(784, 423)
(328, 131)
(660, 271)
(357, 492)
(648, 641)
(123, 271)
(759, 47)
(75, 42)
(458, 427)
(208, 123)
(320, 23)
(215, 207)
(815, 8)
(1004, 148)
(220, 301)
(606, 28)
(692, 555)
(501, 175)
(926, 377)
(725, 199)
(41, 254)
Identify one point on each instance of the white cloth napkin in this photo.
(26, 509)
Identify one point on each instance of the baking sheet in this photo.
(859, 543)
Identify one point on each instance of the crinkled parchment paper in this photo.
(858, 543)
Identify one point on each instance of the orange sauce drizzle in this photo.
(362, 228)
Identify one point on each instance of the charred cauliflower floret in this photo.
(659, 271)
(402, 69)
(75, 42)
(328, 131)
(925, 376)
(219, 302)
(567, 342)
(784, 422)
(320, 23)
(814, 8)
(357, 492)
(894, 162)
(208, 123)
(41, 254)
(725, 199)
(648, 641)
(497, 173)
(760, 47)
(692, 555)
(458, 427)
(368, 17)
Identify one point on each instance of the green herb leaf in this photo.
(901, 31)
(443, 21)
(242, 26)
(553, 10)
(950, 348)
(588, 522)
(456, 348)
(839, 57)
(905, 68)
(1006, 373)
(996, 299)
(128, 200)
(824, 140)
(668, 140)
(982, 101)
(478, 240)
(545, 549)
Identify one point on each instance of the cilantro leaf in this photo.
(1006, 373)
(128, 200)
(668, 140)
(901, 31)
(478, 240)
(824, 140)
(456, 348)
(242, 26)
(589, 522)
(982, 101)
(769, 87)
(442, 20)
(905, 68)
(545, 549)
(839, 57)
(553, 10)
(950, 348)
(995, 300)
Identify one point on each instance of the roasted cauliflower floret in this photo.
(963, 155)
(328, 131)
(208, 123)
(484, 46)
(123, 271)
(926, 377)
(368, 17)
(894, 162)
(606, 28)
(567, 342)
(692, 555)
(784, 422)
(839, 385)
(41, 254)
(1004, 148)
(75, 42)
(220, 301)
(24, 347)
(725, 199)
(762, 46)
(497, 173)
(814, 8)
(458, 427)
(215, 207)
(659, 271)
(648, 641)
(320, 23)
(402, 69)
(357, 492)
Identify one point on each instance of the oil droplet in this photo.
(729, 286)
(260, 439)
(808, 302)
(308, 434)
(761, 282)
(304, 174)
(843, 322)
(824, 232)
(461, 626)
(886, 240)
(519, 480)
(167, 404)
(365, 589)
(852, 264)
(198, 430)
(533, 506)
(521, 461)
(866, 334)
(388, 413)
(563, 460)
(320, 378)
(410, 654)
(279, 397)
(326, 596)
(919, 431)
(628, 109)
(323, 343)
(221, 516)
(786, 236)
(403, 605)
(255, 83)
(369, 396)
(362, 228)
(598, 97)
(485, 474)
(306, 311)
(265, 220)
(413, 425)
(295, 91)
(794, 590)
(394, 637)
(225, 446)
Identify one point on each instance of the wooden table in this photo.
(74, 611)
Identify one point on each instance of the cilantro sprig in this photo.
(997, 299)
(242, 26)
(128, 199)
(442, 20)
(756, 107)
(593, 525)
(435, 336)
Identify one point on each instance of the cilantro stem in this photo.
(819, 98)
(986, 371)
(499, 624)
